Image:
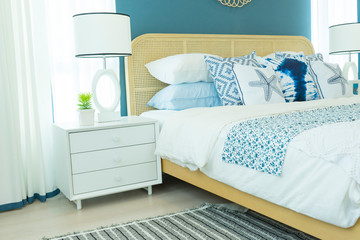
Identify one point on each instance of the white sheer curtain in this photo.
(25, 120)
(325, 13)
(71, 75)
(36, 48)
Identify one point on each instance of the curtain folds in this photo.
(37, 50)
(25, 120)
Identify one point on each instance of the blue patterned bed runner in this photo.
(261, 143)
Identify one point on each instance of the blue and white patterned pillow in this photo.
(224, 78)
(315, 57)
(329, 80)
(268, 62)
(257, 85)
(296, 82)
(300, 56)
(282, 55)
(273, 60)
(296, 55)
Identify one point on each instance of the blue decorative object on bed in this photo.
(295, 80)
(261, 143)
(224, 78)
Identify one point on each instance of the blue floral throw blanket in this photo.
(261, 143)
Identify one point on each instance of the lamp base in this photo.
(350, 66)
(107, 117)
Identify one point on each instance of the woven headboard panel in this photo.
(141, 86)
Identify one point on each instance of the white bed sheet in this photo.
(160, 115)
(309, 184)
(321, 169)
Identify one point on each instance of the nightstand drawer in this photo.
(111, 158)
(111, 138)
(99, 180)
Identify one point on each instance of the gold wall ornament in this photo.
(234, 3)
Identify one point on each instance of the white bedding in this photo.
(321, 173)
(160, 115)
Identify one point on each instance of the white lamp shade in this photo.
(344, 38)
(102, 35)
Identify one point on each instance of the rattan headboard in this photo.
(141, 86)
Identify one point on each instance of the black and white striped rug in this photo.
(211, 221)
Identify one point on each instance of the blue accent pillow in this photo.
(221, 70)
(185, 95)
(295, 80)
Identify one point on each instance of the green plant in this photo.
(84, 101)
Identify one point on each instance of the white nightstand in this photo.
(106, 158)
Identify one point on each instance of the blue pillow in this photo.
(186, 95)
(221, 70)
(296, 82)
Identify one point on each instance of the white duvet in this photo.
(321, 172)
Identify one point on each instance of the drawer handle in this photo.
(117, 159)
(116, 139)
(117, 178)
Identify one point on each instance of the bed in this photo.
(141, 86)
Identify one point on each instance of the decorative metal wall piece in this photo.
(234, 3)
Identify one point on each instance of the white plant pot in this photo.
(86, 117)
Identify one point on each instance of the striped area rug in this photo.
(211, 221)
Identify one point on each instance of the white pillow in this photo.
(181, 68)
(257, 85)
(329, 80)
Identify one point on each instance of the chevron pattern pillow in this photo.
(221, 70)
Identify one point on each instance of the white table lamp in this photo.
(345, 39)
(103, 35)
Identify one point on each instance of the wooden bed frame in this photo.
(141, 86)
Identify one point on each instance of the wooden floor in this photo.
(58, 216)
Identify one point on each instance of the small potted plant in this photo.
(86, 112)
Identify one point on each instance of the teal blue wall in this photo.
(277, 17)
